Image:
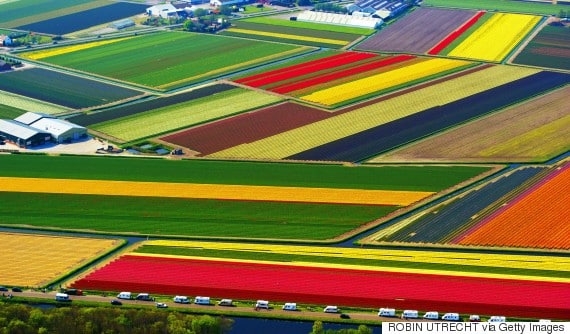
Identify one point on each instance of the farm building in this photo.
(5, 40)
(22, 135)
(378, 8)
(165, 10)
(61, 131)
(122, 24)
(339, 19)
(218, 3)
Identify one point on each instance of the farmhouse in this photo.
(378, 8)
(21, 134)
(61, 131)
(339, 19)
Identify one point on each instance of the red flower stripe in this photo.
(323, 65)
(453, 36)
(294, 67)
(290, 87)
(344, 287)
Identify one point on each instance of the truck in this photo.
(226, 302)
(202, 300)
(386, 312)
(181, 299)
(290, 307)
(62, 297)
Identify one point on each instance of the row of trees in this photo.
(19, 318)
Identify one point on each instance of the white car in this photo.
(161, 305)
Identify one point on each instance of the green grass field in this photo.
(173, 59)
(22, 12)
(310, 25)
(184, 217)
(415, 178)
(185, 114)
(287, 257)
(500, 5)
(10, 112)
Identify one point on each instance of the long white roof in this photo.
(19, 130)
(30, 117)
(55, 126)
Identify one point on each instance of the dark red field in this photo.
(331, 286)
(246, 128)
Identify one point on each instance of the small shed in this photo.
(4, 66)
(23, 135)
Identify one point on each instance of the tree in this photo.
(318, 328)
(199, 12)
(226, 10)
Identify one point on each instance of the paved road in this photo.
(239, 309)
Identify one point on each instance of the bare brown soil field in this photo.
(418, 32)
(536, 130)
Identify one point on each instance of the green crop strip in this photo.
(499, 5)
(415, 178)
(186, 217)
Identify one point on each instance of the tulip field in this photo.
(538, 218)
(329, 276)
(36, 260)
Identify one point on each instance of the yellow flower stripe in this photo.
(381, 81)
(212, 191)
(36, 55)
(288, 36)
(43, 258)
(407, 256)
(318, 133)
(496, 37)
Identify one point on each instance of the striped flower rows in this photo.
(36, 55)
(496, 38)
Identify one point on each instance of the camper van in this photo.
(331, 309)
(124, 295)
(432, 315)
(410, 314)
(262, 304)
(290, 307)
(202, 300)
(62, 297)
(181, 299)
(386, 312)
(497, 318)
(226, 302)
(450, 317)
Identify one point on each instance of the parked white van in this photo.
(181, 299)
(202, 300)
(262, 304)
(330, 309)
(450, 317)
(432, 315)
(62, 297)
(474, 318)
(386, 312)
(226, 302)
(290, 307)
(497, 318)
(124, 295)
(410, 314)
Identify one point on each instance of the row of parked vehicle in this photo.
(434, 315)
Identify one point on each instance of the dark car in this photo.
(116, 302)
(15, 289)
(344, 316)
(3, 288)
